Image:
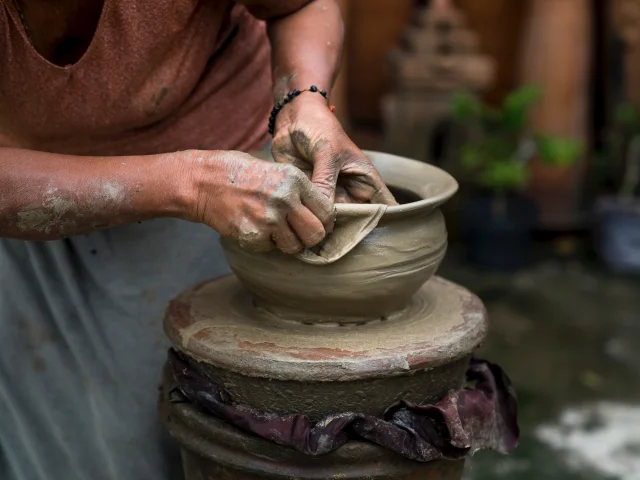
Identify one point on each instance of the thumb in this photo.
(326, 169)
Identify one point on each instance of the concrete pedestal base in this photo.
(283, 367)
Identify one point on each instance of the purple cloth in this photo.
(482, 415)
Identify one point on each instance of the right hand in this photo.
(263, 205)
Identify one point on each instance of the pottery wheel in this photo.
(283, 365)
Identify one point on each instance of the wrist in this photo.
(188, 169)
(287, 83)
(289, 107)
(207, 174)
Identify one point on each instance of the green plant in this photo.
(499, 147)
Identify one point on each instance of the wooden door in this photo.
(498, 24)
(373, 29)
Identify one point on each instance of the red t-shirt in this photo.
(158, 76)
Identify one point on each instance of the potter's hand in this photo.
(263, 205)
(310, 137)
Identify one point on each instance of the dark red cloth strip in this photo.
(482, 415)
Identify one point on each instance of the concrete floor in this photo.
(568, 335)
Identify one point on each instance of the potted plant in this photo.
(498, 220)
(618, 211)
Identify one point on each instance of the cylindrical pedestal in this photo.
(283, 367)
(211, 449)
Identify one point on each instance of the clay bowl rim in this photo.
(386, 163)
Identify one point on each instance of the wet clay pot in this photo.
(370, 266)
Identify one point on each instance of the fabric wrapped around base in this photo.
(482, 415)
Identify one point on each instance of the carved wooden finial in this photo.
(441, 4)
(438, 56)
(439, 52)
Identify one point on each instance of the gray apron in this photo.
(82, 347)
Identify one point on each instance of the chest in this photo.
(60, 30)
(103, 67)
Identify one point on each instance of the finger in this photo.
(306, 226)
(362, 181)
(318, 204)
(381, 193)
(362, 189)
(326, 167)
(342, 196)
(286, 240)
(256, 242)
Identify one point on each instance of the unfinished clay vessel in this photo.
(370, 266)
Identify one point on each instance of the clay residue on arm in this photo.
(49, 196)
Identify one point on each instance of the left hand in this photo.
(309, 136)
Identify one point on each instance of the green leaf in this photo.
(516, 106)
(509, 175)
(558, 151)
(465, 107)
(627, 115)
(470, 157)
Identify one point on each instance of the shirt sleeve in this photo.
(269, 9)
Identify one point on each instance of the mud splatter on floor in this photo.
(603, 437)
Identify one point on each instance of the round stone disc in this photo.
(216, 323)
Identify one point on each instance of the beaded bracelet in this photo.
(287, 98)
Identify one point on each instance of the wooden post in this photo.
(498, 24)
(626, 18)
(374, 29)
(557, 55)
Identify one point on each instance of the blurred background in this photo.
(533, 106)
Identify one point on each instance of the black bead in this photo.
(323, 93)
(285, 101)
(277, 108)
(313, 88)
(290, 95)
(296, 92)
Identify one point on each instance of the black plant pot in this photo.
(497, 231)
(618, 234)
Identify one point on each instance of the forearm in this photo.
(46, 196)
(307, 47)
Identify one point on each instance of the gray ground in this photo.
(568, 335)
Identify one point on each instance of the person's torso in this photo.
(144, 77)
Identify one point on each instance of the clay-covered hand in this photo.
(263, 205)
(309, 136)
